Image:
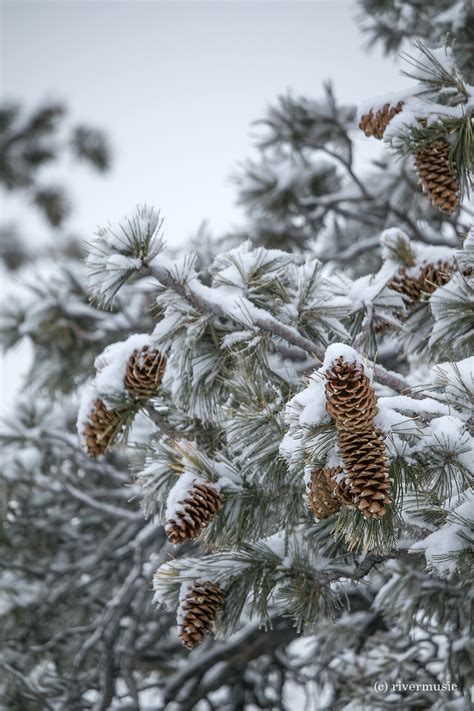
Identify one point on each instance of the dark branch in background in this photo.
(236, 653)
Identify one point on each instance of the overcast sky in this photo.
(176, 85)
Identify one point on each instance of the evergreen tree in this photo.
(29, 144)
(299, 430)
(393, 23)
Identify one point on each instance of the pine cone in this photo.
(436, 176)
(365, 461)
(374, 124)
(321, 498)
(430, 277)
(101, 429)
(408, 286)
(326, 495)
(198, 612)
(198, 508)
(351, 400)
(144, 373)
(434, 275)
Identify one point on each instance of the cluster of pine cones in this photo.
(199, 609)
(432, 163)
(142, 379)
(364, 482)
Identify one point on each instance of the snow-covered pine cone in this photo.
(144, 372)
(350, 397)
(101, 429)
(436, 176)
(430, 277)
(198, 612)
(325, 495)
(195, 511)
(365, 460)
(375, 123)
(406, 285)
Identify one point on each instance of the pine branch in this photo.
(101, 505)
(364, 568)
(30, 692)
(265, 322)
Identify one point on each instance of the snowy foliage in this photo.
(249, 337)
(120, 250)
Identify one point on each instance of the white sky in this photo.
(176, 85)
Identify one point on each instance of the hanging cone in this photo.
(198, 612)
(201, 504)
(350, 398)
(325, 495)
(430, 277)
(320, 494)
(102, 427)
(408, 286)
(375, 123)
(436, 176)
(365, 461)
(144, 372)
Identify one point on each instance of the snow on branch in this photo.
(119, 250)
(227, 305)
(443, 547)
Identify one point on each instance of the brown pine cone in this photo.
(325, 495)
(436, 176)
(102, 427)
(430, 277)
(374, 124)
(350, 398)
(320, 494)
(201, 504)
(198, 612)
(365, 461)
(144, 372)
(408, 286)
(434, 275)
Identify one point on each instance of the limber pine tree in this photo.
(255, 406)
(301, 465)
